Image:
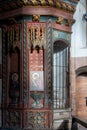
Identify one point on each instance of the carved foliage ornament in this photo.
(36, 35)
(14, 36)
(66, 22)
(36, 18)
(37, 120)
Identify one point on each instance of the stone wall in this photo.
(75, 64)
(78, 57)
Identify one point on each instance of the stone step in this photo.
(62, 124)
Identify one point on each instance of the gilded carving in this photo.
(57, 4)
(69, 22)
(43, 2)
(59, 20)
(67, 5)
(36, 18)
(34, 2)
(37, 35)
(14, 36)
(66, 22)
(50, 2)
(70, 8)
(64, 6)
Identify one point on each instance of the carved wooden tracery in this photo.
(36, 35)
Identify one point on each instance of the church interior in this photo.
(43, 65)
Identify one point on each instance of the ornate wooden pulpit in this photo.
(29, 30)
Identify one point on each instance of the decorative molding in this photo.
(48, 62)
(61, 27)
(66, 22)
(44, 11)
(59, 4)
(51, 3)
(37, 119)
(25, 98)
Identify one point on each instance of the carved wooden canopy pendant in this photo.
(36, 35)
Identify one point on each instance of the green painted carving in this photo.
(37, 119)
(36, 97)
(61, 35)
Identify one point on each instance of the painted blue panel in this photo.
(42, 18)
(57, 34)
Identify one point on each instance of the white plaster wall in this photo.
(78, 38)
(0, 79)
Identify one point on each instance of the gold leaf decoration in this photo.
(36, 18)
(56, 4)
(69, 22)
(35, 2)
(50, 2)
(59, 20)
(43, 2)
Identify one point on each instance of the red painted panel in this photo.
(36, 60)
(14, 62)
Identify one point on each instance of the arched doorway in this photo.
(61, 106)
(60, 75)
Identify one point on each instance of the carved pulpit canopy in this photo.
(68, 6)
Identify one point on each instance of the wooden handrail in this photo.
(79, 120)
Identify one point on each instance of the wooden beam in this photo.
(36, 10)
(61, 27)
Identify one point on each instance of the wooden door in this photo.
(81, 93)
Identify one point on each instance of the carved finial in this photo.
(36, 18)
(69, 22)
(59, 20)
